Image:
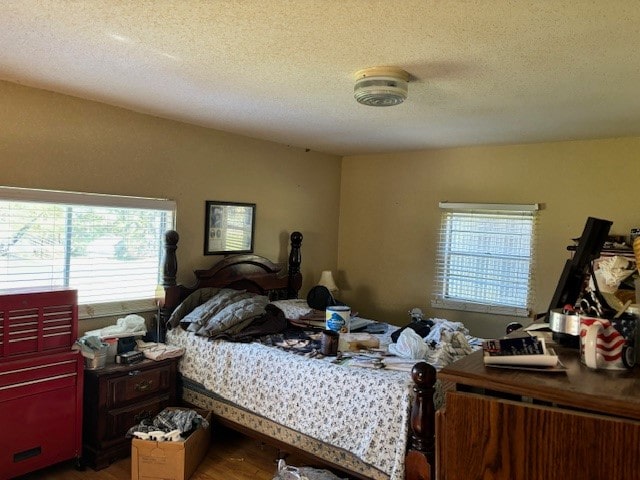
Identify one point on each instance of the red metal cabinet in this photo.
(41, 381)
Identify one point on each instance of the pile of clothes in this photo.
(171, 424)
(438, 341)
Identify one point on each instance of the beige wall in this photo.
(389, 215)
(387, 204)
(54, 141)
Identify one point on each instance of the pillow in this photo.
(202, 313)
(235, 315)
(188, 304)
(293, 309)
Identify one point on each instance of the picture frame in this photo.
(229, 227)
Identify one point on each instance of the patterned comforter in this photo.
(361, 410)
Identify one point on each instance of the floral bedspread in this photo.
(364, 411)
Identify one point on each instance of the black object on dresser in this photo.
(116, 398)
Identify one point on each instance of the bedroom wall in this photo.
(389, 215)
(53, 141)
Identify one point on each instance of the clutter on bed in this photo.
(418, 323)
(366, 421)
(241, 316)
(354, 342)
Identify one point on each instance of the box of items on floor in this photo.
(171, 445)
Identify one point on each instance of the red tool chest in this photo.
(41, 380)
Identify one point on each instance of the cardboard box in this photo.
(152, 460)
(354, 342)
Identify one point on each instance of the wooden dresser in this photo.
(514, 425)
(116, 398)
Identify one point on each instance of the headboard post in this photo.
(295, 258)
(170, 264)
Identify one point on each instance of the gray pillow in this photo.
(188, 304)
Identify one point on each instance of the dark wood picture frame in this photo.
(229, 227)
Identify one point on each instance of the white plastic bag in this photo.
(409, 345)
(287, 472)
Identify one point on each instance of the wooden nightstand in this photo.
(116, 398)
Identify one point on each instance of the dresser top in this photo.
(612, 392)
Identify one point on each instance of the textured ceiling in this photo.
(482, 72)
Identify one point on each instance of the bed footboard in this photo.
(420, 460)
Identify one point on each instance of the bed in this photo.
(368, 423)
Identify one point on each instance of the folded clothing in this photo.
(159, 351)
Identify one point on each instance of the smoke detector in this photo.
(381, 86)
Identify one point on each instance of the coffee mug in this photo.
(329, 342)
(607, 344)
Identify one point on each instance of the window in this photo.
(107, 247)
(485, 258)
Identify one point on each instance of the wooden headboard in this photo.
(241, 272)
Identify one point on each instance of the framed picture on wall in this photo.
(229, 227)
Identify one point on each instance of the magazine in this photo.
(527, 353)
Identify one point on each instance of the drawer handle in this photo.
(133, 373)
(143, 386)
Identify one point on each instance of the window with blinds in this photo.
(485, 258)
(107, 247)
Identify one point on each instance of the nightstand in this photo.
(116, 398)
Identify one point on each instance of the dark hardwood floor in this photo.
(232, 456)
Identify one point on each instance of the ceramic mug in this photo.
(329, 342)
(607, 344)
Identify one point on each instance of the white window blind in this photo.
(485, 258)
(107, 247)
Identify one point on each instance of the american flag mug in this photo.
(603, 345)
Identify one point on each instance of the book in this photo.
(530, 355)
(525, 345)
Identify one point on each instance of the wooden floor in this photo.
(232, 456)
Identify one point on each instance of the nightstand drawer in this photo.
(122, 419)
(138, 384)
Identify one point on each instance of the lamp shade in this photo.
(326, 280)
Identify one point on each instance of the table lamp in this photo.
(326, 280)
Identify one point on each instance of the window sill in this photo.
(480, 308)
(114, 309)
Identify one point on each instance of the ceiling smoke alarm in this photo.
(381, 86)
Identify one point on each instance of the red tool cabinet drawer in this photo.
(36, 322)
(40, 412)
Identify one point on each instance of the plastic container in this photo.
(338, 318)
(98, 361)
(112, 350)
